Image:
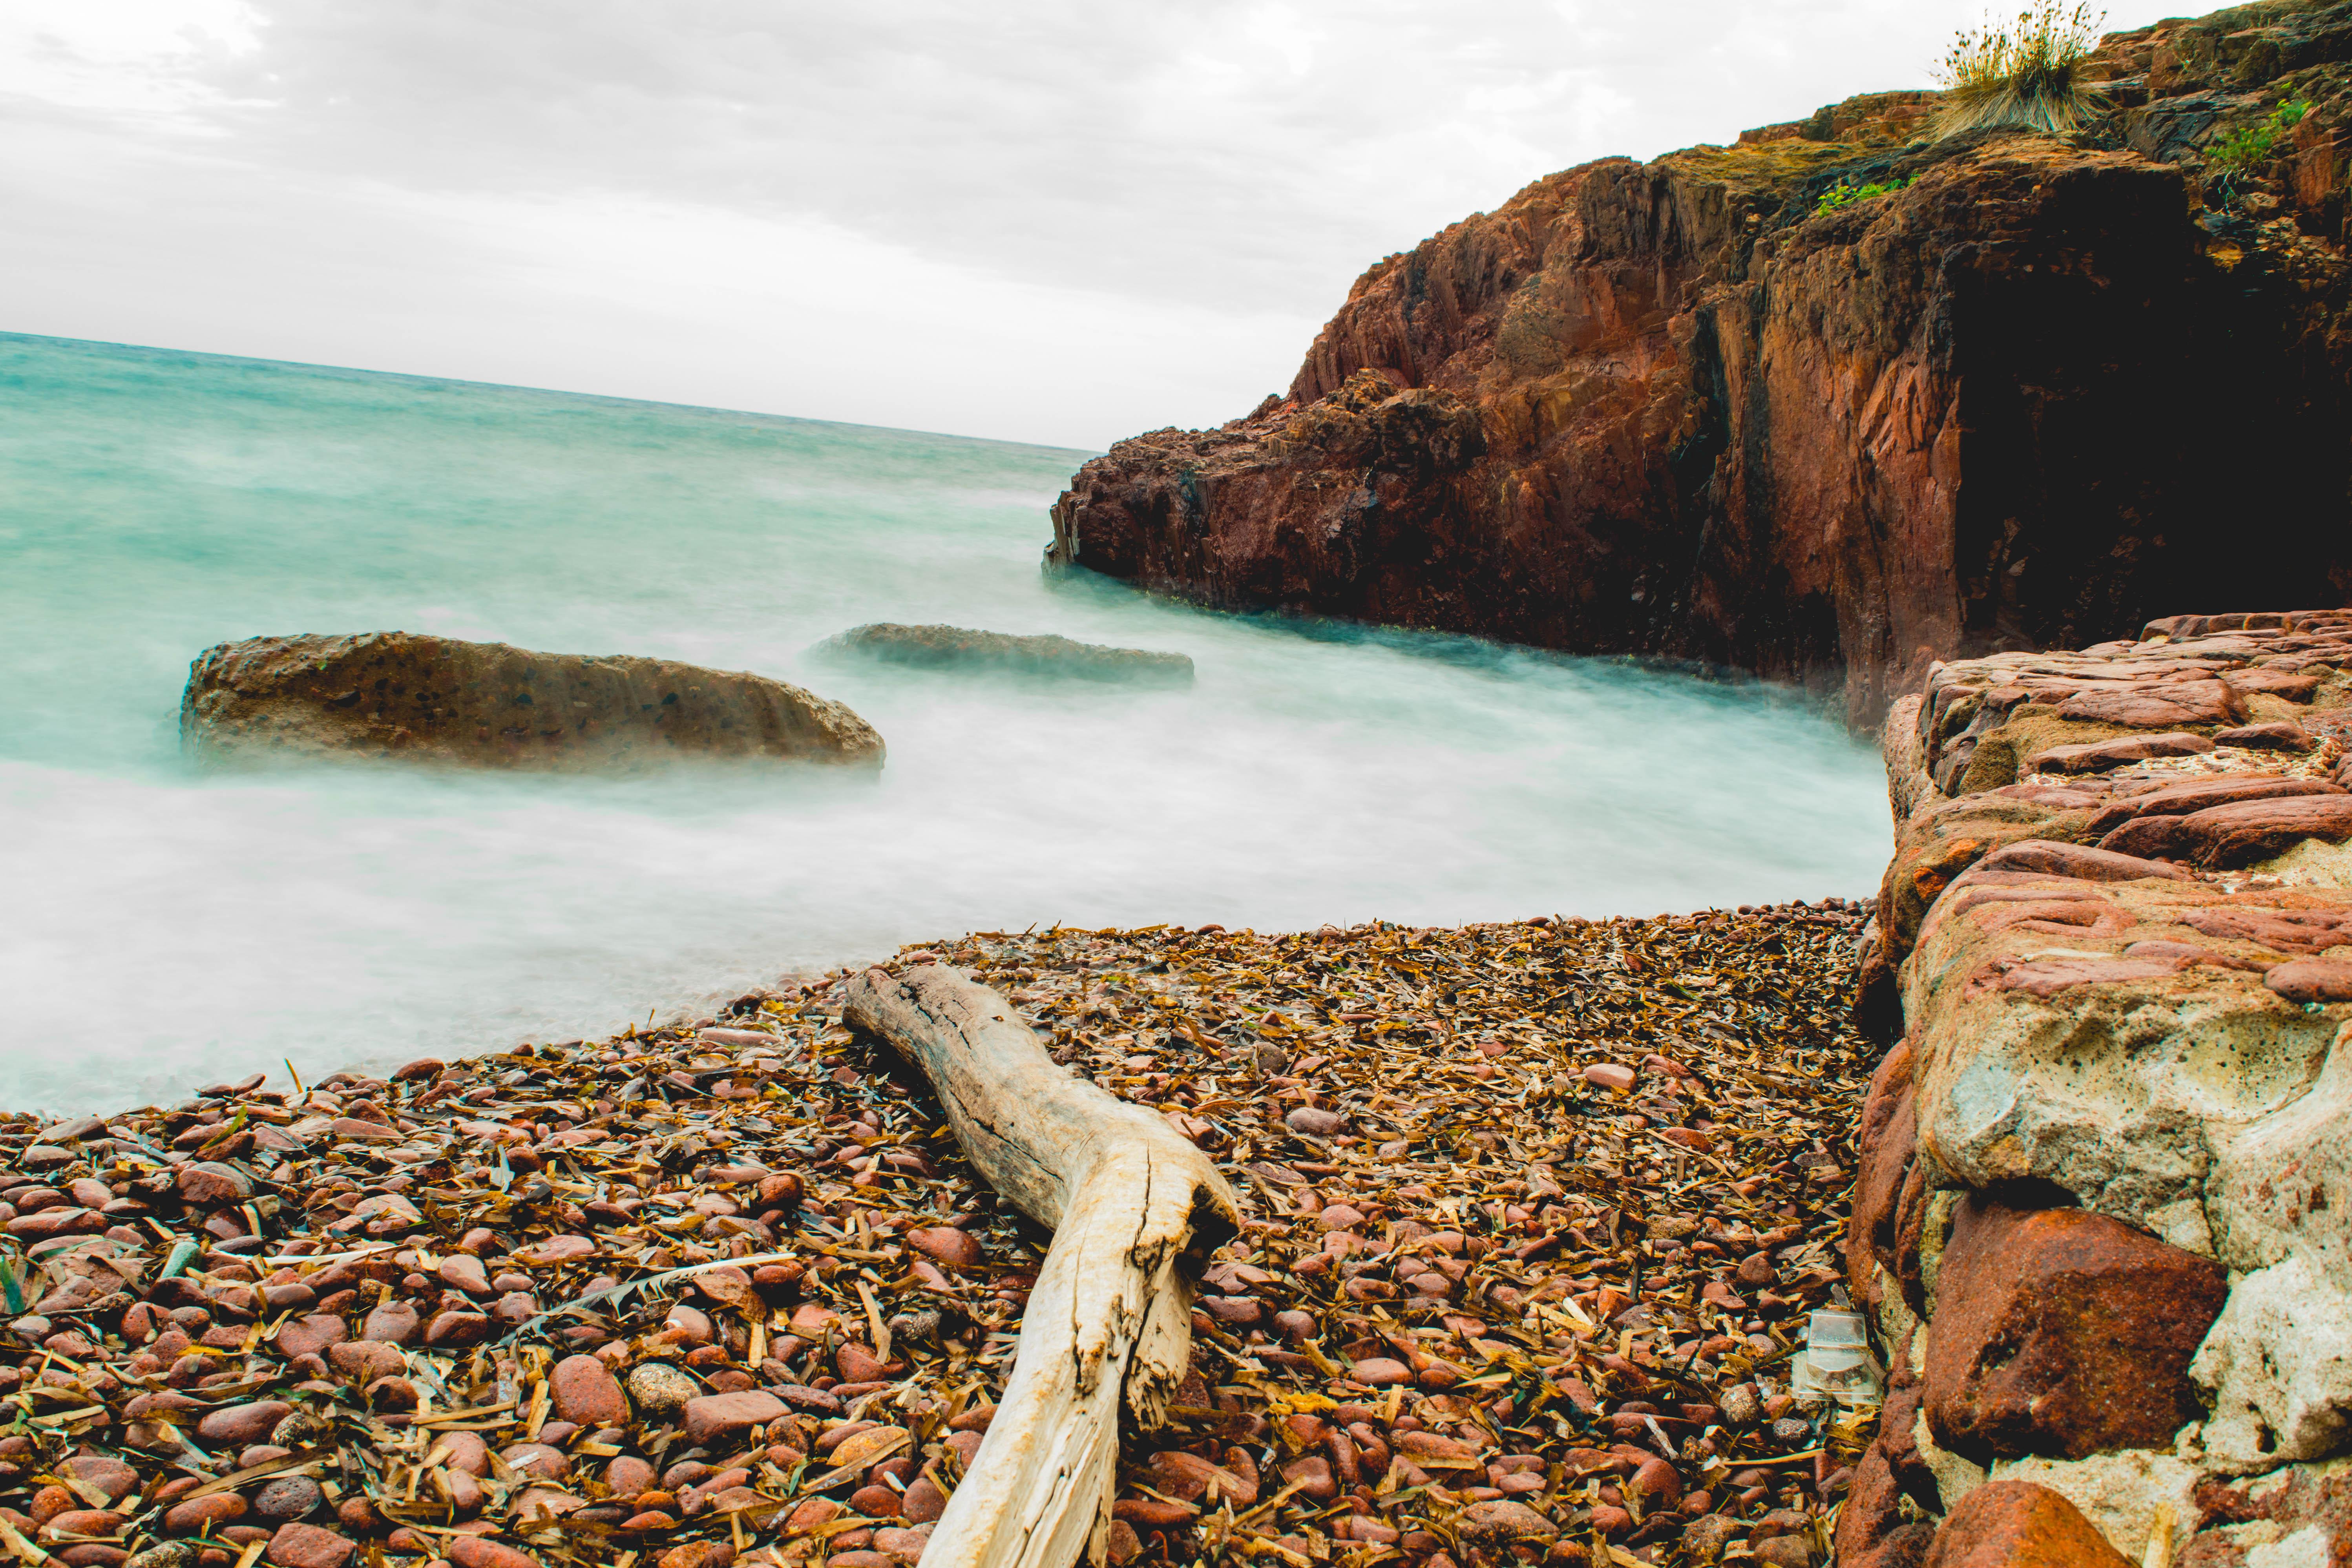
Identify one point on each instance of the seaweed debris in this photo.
(1535, 1213)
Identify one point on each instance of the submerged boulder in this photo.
(436, 700)
(958, 648)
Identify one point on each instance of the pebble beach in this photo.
(1534, 1214)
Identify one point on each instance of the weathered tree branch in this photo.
(1128, 1201)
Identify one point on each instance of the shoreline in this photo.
(496, 1191)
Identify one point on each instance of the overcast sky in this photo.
(1061, 221)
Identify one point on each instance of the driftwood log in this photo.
(1135, 1210)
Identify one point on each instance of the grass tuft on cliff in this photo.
(2025, 73)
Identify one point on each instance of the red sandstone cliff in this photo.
(2055, 386)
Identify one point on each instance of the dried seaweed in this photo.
(1576, 1183)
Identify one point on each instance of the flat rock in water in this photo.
(959, 648)
(485, 705)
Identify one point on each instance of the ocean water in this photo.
(159, 929)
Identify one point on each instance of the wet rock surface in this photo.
(963, 649)
(1527, 1283)
(402, 697)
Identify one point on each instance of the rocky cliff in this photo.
(2046, 389)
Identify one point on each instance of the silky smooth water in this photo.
(160, 929)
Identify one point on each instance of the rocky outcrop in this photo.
(958, 648)
(1999, 751)
(1671, 408)
(398, 696)
(2104, 1179)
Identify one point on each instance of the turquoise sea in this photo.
(161, 929)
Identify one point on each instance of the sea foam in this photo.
(167, 927)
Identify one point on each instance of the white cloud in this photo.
(1055, 219)
(146, 58)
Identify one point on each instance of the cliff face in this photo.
(2048, 389)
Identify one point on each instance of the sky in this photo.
(1056, 221)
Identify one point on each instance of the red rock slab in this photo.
(2054, 795)
(2196, 794)
(1940, 844)
(2295, 931)
(2223, 836)
(2045, 977)
(2185, 627)
(2056, 858)
(1978, 887)
(2286, 683)
(2098, 756)
(2189, 953)
(2064, 1333)
(2282, 735)
(2312, 980)
(2057, 917)
(2156, 705)
(2016, 1524)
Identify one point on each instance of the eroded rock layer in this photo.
(2103, 1168)
(2030, 398)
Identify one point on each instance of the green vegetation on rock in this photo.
(1845, 194)
(2248, 147)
